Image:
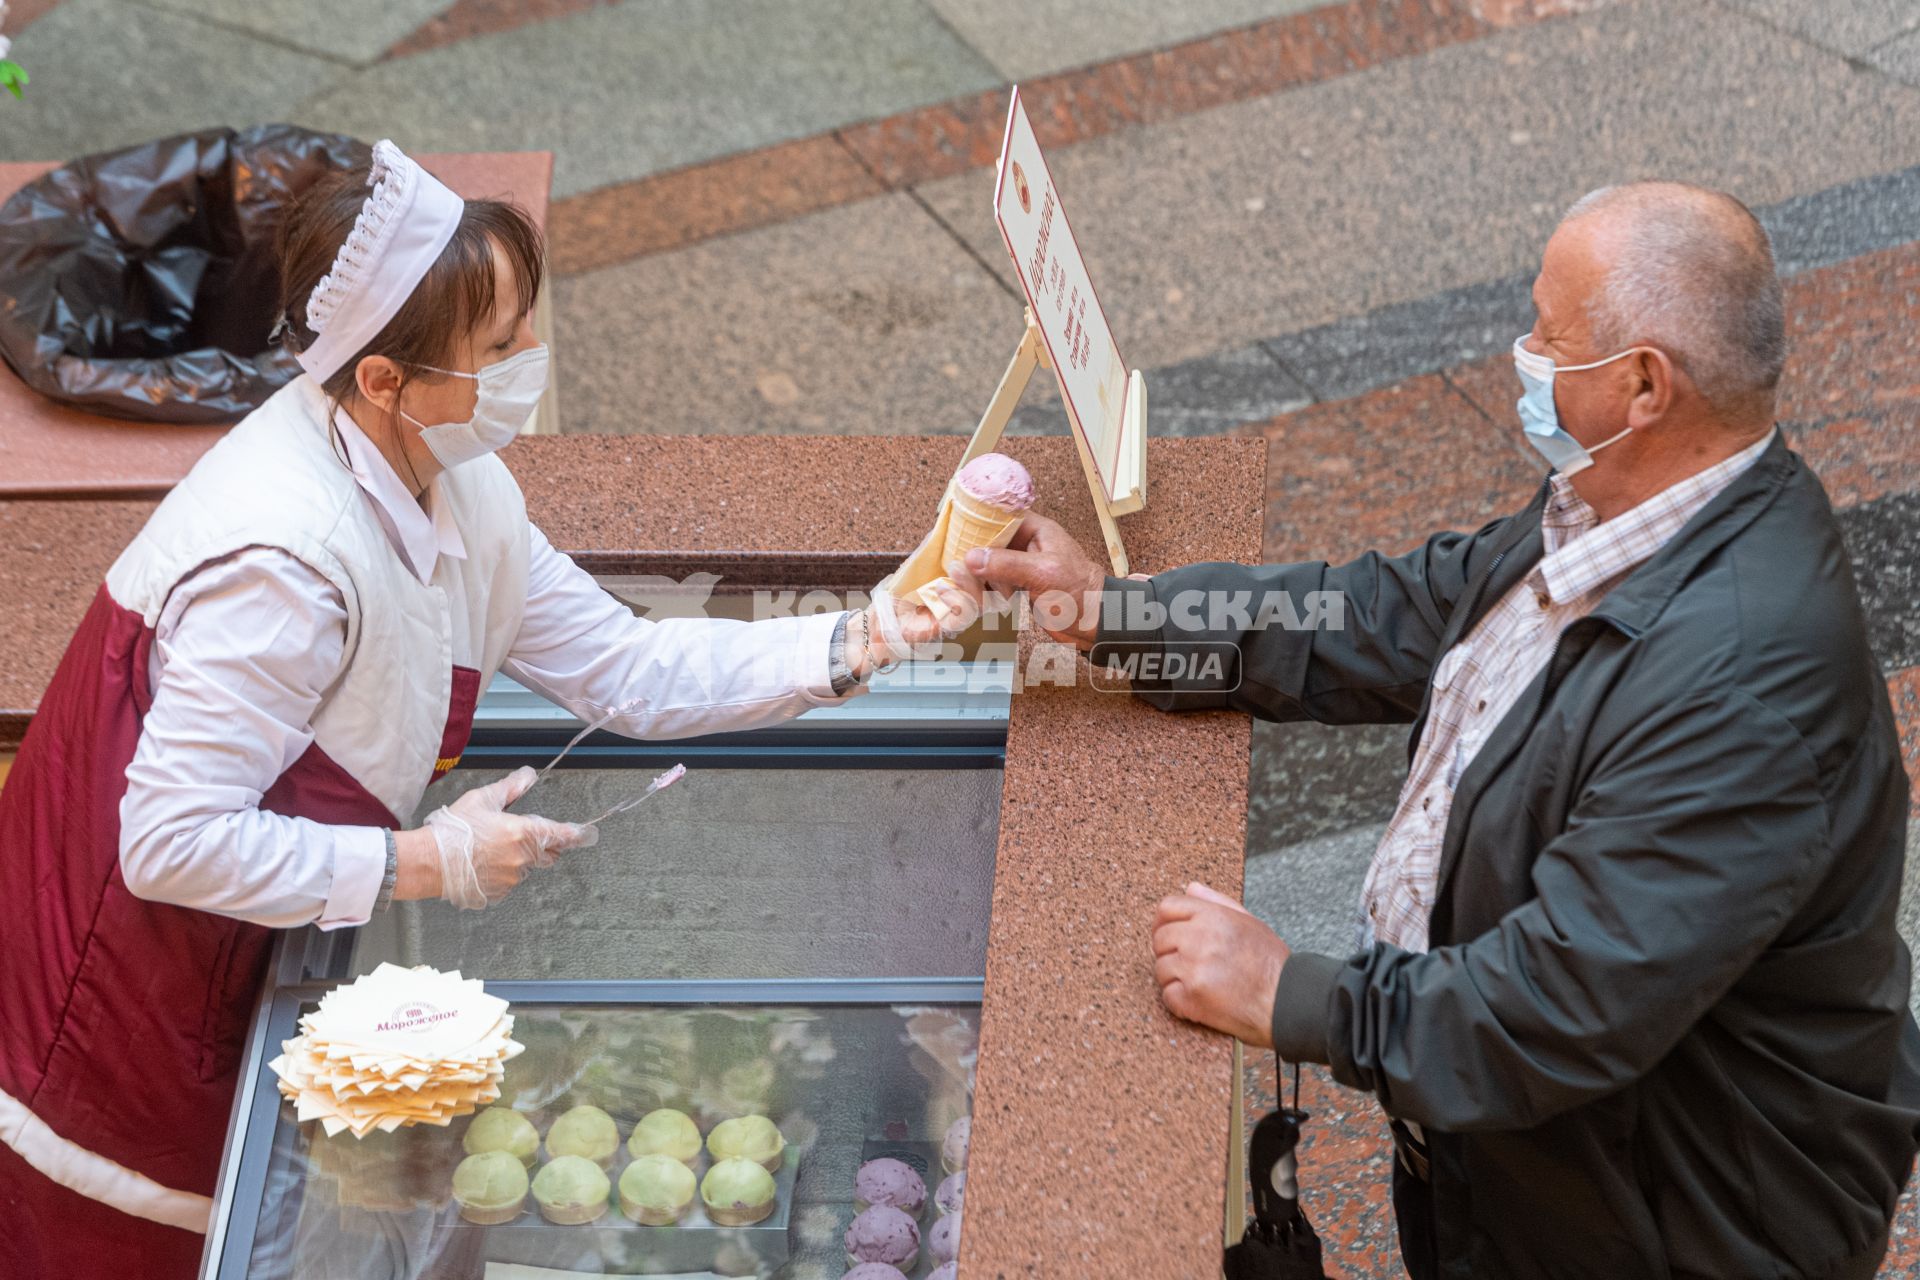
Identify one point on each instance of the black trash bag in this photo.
(142, 283)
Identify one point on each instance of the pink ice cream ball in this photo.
(886, 1181)
(883, 1234)
(952, 1193)
(996, 478)
(944, 1240)
(874, 1271)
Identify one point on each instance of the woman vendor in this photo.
(274, 671)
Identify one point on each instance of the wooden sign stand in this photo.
(1030, 355)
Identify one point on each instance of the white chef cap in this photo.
(407, 220)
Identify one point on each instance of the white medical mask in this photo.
(504, 401)
(1540, 417)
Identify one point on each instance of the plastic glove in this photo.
(485, 851)
(909, 629)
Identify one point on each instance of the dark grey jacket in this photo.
(1662, 1030)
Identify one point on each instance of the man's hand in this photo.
(1063, 584)
(1217, 964)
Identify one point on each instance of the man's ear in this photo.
(378, 380)
(1654, 377)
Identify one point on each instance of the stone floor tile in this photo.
(1886, 563)
(862, 320)
(1028, 38)
(465, 19)
(356, 31)
(1904, 688)
(741, 192)
(1449, 169)
(1070, 107)
(108, 74)
(619, 92)
(1309, 892)
(1899, 57)
(1385, 470)
(1311, 780)
(1852, 27)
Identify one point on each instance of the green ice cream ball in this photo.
(571, 1181)
(746, 1138)
(584, 1131)
(658, 1182)
(665, 1133)
(502, 1129)
(490, 1180)
(733, 1183)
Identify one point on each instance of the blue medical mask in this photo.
(1540, 418)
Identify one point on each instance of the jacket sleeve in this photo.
(1347, 644)
(1697, 834)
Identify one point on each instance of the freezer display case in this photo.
(796, 930)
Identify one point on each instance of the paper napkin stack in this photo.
(397, 1047)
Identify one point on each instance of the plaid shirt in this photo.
(1479, 679)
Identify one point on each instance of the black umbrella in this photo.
(1279, 1243)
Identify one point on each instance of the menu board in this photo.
(1093, 376)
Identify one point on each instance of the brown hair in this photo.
(453, 298)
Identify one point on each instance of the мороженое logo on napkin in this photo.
(415, 1018)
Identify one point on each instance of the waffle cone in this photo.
(492, 1217)
(969, 523)
(652, 1217)
(733, 1216)
(976, 523)
(572, 1215)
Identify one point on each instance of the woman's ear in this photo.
(378, 381)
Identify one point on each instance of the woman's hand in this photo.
(475, 852)
(893, 630)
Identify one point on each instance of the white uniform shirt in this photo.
(1477, 682)
(247, 648)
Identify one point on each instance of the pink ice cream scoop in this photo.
(996, 478)
(883, 1234)
(944, 1239)
(893, 1182)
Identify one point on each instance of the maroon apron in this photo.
(121, 1020)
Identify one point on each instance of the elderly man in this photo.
(1629, 986)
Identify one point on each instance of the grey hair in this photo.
(1693, 275)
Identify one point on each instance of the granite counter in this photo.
(1101, 1123)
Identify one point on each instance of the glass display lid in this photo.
(768, 872)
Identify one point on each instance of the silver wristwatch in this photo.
(839, 670)
(392, 878)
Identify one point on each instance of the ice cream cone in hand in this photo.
(983, 507)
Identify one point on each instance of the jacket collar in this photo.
(1633, 606)
(1584, 552)
(1638, 602)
